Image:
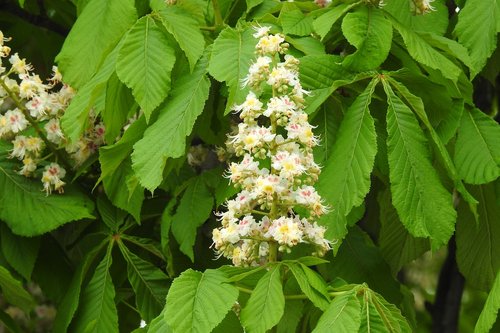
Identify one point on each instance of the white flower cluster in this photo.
(277, 206)
(27, 102)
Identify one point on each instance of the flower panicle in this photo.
(277, 206)
(26, 101)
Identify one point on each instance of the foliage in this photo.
(403, 95)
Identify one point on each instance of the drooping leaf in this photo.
(345, 180)
(75, 117)
(397, 245)
(97, 312)
(116, 169)
(69, 303)
(166, 138)
(479, 243)
(145, 62)
(477, 29)
(291, 317)
(477, 152)
(150, 284)
(232, 53)
(424, 53)
(266, 304)
(186, 32)
(370, 32)
(489, 313)
(320, 300)
(20, 252)
(21, 194)
(97, 30)
(423, 204)
(198, 302)
(194, 209)
(378, 315)
(323, 24)
(343, 315)
(294, 22)
(159, 324)
(13, 291)
(119, 102)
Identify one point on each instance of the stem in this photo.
(293, 297)
(219, 22)
(207, 28)
(37, 128)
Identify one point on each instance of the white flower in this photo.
(52, 178)
(261, 31)
(19, 147)
(270, 44)
(19, 65)
(17, 121)
(286, 231)
(29, 166)
(54, 132)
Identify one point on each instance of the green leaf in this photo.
(198, 302)
(291, 317)
(21, 194)
(186, 32)
(119, 102)
(19, 252)
(478, 244)
(69, 303)
(418, 107)
(397, 245)
(232, 54)
(111, 216)
(294, 22)
(97, 312)
(253, 3)
(74, 120)
(323, 24)
(320, 300)
(423, 204)
(266, 305)
(476, 29)
(14, 293)
(377, 315)
(147, 244)
(194, 209)
(116, 169)
(345, 179)
(425, 54)
(371, 33)
(370, 266)
(489, 313)
(477, 152)
(159, 324)
(150, 284)
(97, 30)
(343, 315)
(175, 122)
(145, 62)
(231, 323)
(9, 323)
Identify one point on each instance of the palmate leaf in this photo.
(166, 138)
(489, 313)
(197, 302)
(477, 152)
(145, 62)
(294, 22)
(370, 32)
(97, 312)
(186, 32)
(14, 293)
(99, 27)
(150, 284)
(232, 54)
(319, 299)
(19, 252)
(345, 179)
(21, 199)
(266, 305)
(478, 244)
(423, 204)
(294, 310)
(194, 209)
(477, 30)
(343, 315)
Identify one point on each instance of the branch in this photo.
(41, 20)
